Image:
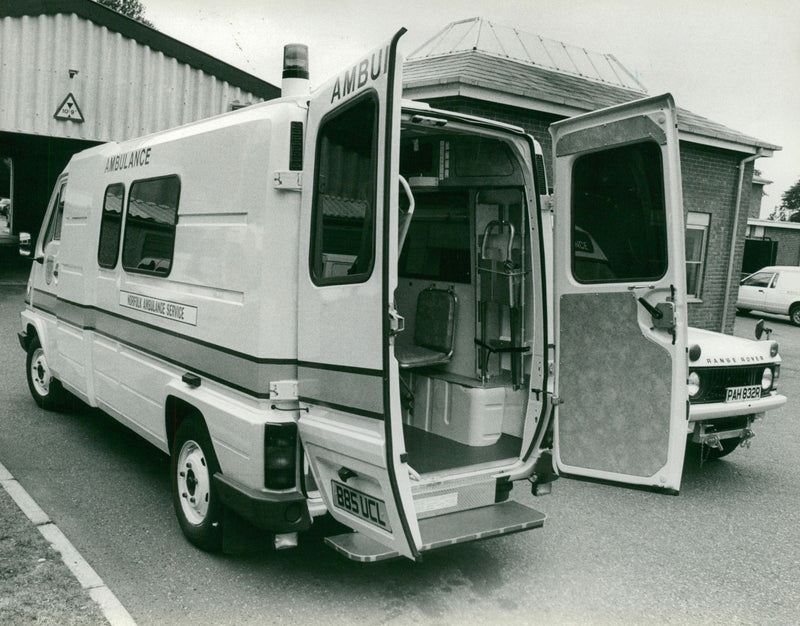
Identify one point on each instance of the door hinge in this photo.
(397, 323)
(288, 180)
(283, 390)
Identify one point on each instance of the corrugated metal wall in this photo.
(123, 89)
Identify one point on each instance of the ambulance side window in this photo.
(54, 227)
(110, 226)
(150, 225)
(619, 215)
(343, 215)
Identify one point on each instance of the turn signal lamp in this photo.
(694, 352)
(773, 348)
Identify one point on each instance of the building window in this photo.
(110, 226)
(343, 214)
(150, 225)
(696, 243)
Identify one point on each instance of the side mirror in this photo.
(25, 244)
(761, 328)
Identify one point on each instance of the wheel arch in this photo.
(34, 327)
(176, 411)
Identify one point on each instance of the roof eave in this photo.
(145, 35)
(448, 87)
(534, 101)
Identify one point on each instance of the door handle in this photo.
(655, 313)
(345, 474)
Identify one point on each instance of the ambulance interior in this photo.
(465, 293)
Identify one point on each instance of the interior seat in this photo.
(434, 330)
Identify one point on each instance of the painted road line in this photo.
(115, 613)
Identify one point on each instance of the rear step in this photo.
(446, 530)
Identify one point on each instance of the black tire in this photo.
(741, 311)
(46, 390)
(197, 504)
(794, 314)
(728, 445)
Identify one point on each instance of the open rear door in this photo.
(350, 425)
(620, 307)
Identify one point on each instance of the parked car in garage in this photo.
(774, 289)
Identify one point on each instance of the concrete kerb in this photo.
(115, 613)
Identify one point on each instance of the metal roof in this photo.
(478, 53)
(506, 42)
(144, 35)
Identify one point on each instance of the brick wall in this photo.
(788, 244)
(710, 177)
(756, 196)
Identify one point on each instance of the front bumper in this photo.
(715, 410)
(275, 512)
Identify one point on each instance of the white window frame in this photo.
(699, 222)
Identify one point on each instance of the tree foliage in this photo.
(790, 203)
(133, 9)
(789, 208)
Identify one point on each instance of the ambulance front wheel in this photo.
(46, 390)
(194, 497)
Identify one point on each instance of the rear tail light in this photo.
(280, 455)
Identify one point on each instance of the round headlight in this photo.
(766, 379)
(693, 384)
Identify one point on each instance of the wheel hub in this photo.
(194, 482)
(40, 373)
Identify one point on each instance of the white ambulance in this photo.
(251, 294)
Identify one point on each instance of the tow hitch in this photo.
(714, 440)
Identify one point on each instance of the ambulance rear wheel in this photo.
(194, 497)
(46, 390)
(794, 314)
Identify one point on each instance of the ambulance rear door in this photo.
(620, 296)
(350, 420)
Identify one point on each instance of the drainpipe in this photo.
(726, 301)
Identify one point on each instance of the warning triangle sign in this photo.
(69, 110)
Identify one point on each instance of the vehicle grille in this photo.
(714, 381)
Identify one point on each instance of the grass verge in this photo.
(36, 587)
